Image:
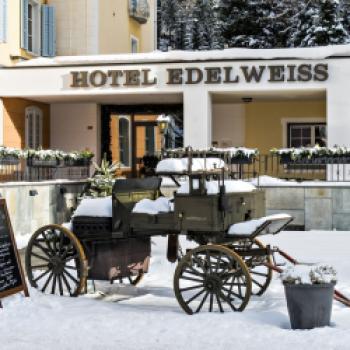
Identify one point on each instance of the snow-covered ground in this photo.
(148, 316)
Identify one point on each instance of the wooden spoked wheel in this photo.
(260, 274)
(55, 261)
(213, 278)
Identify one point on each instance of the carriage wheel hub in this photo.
(57, 265)
(213, 283)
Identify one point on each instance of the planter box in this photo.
(77, 162)
(9, 161)
(309, 305)
(43, 163)
(322, 160)
(240, 160)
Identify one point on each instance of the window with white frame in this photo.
(34, 127)
(134, 45)
(124, 141)
(307, 134)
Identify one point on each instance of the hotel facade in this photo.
(256, 99)
(32, 29)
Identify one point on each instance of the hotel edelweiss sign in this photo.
(207, 75)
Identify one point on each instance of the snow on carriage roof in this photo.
(320, 52)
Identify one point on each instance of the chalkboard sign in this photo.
(12, 279)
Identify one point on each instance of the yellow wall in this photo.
(263, 126)
(116, 28)
(14, 121)
(13, 45)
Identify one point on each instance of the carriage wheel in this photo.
(260, 274)
(212, 277)
(55, 261)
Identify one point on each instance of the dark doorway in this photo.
(130, 132)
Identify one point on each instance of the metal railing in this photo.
(21, 171)
(332, 169)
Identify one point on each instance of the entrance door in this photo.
(146, 142)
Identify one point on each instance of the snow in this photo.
(180, 165)
(320, 52)
(231, 151)
(213, 187)
(148, 317)
(268, 181)
(153, 207)
(309, 274)
(248, 227)
(98, 207)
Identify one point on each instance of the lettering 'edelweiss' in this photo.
(207, 75)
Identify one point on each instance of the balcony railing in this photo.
(328, 169)
(24, 171)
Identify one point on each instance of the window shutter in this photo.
(24, 41)
(3, 21)
(48, 31)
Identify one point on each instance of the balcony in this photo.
(139, 10)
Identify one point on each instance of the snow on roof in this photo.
(320, 52)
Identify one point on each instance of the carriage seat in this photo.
(250, 229)
(133, 190)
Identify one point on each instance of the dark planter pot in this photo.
(43, 163)
(9, 161)
(309, 305)
(77, 162)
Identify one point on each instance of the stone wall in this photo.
(32, 205)
(314, 208)
(326, 207)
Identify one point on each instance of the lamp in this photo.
(163, 123)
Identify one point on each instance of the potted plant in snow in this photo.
(309, 292)
(10, 156)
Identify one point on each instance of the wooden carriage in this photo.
(221, 273)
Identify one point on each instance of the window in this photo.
(124, 140)
(3, 21)
(307, 134)
(38, 28)
(34, 127)
(150, 140)
(134, 45)
(30, 25)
